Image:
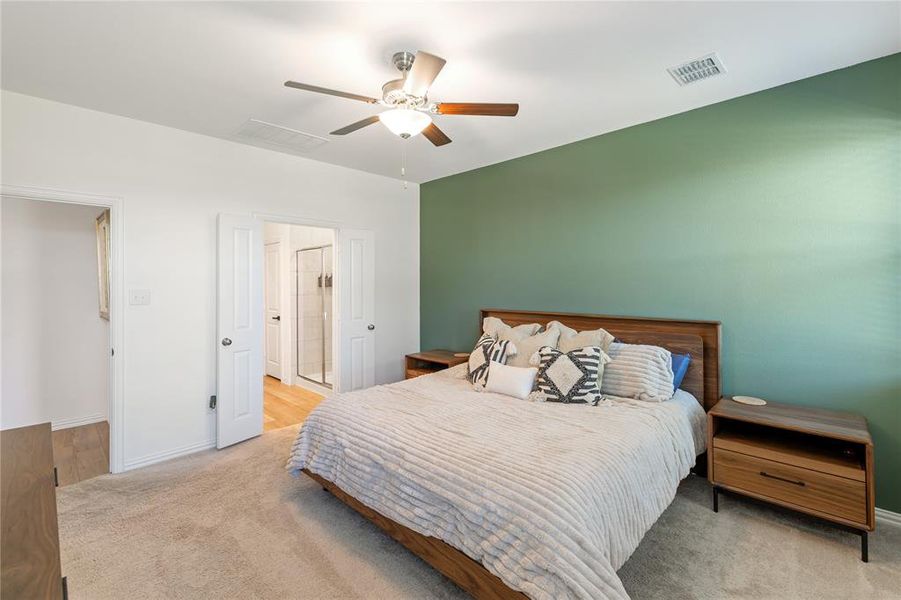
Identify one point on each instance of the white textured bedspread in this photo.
(552, 498)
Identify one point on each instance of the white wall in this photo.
(56, 347)
(173, 185)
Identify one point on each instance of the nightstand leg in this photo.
(716, 499)
(864, 546)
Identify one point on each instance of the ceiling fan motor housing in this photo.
(403, 61)
(393, 93)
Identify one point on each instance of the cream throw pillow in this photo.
(527, 345)
(495, 327)
(570, 339)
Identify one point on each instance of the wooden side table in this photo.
(815, 461)
(431, 361)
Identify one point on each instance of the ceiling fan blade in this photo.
(477, 108)
(358, 125)
(425, 69)
(322, 90)
(435, 135)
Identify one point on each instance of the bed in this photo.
(509, 498)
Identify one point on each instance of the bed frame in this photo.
(701, 339)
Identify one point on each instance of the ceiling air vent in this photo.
(696, 70)
(277, 137)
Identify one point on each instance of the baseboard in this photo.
(313, 387)
(159, 457)
(887, 517)
(76, 422)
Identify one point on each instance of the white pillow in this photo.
(570, 339)
(510, 381)
(495, 327)
(638, 371)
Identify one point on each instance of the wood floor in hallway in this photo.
(285, 405)
(81, 452)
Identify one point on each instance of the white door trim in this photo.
(116, 206)
(336, 227)
(295, 220)
(288, 307)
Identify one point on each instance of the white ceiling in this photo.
(577, 69)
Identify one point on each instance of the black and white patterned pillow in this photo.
(488, 349)
(570, 377)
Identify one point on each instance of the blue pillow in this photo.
(680, 368)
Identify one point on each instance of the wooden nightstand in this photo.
(430, 361)
(815, 461)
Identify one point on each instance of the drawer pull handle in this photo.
(791, 481)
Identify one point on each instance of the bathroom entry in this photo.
(249, 402)
(298, 309)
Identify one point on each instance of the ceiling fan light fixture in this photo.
(405, 122)
(409, 111)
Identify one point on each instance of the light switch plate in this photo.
(139, 297)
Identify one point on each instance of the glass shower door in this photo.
(314, 318)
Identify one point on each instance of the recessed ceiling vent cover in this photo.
(277, 137)
(696, 70)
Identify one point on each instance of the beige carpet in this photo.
(234, 524)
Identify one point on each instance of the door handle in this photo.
(277, 318)
(371, 327)
(226, 342)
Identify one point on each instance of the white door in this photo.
(272, 299)
(356, 281)
(239, 378)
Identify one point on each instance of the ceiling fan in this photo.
(410, 109)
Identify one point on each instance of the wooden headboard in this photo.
(700, 339)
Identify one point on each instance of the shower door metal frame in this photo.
(322, 313)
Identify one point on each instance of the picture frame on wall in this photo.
(103, 246)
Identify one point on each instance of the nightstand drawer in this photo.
(830, 494)
(411, 373)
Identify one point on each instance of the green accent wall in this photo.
(775, 213)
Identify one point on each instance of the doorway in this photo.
(322, 309)
(61, 256)
(298, 312)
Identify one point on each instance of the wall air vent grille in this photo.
(696, 70)
(277, 137)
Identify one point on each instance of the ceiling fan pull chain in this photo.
(403, 162)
